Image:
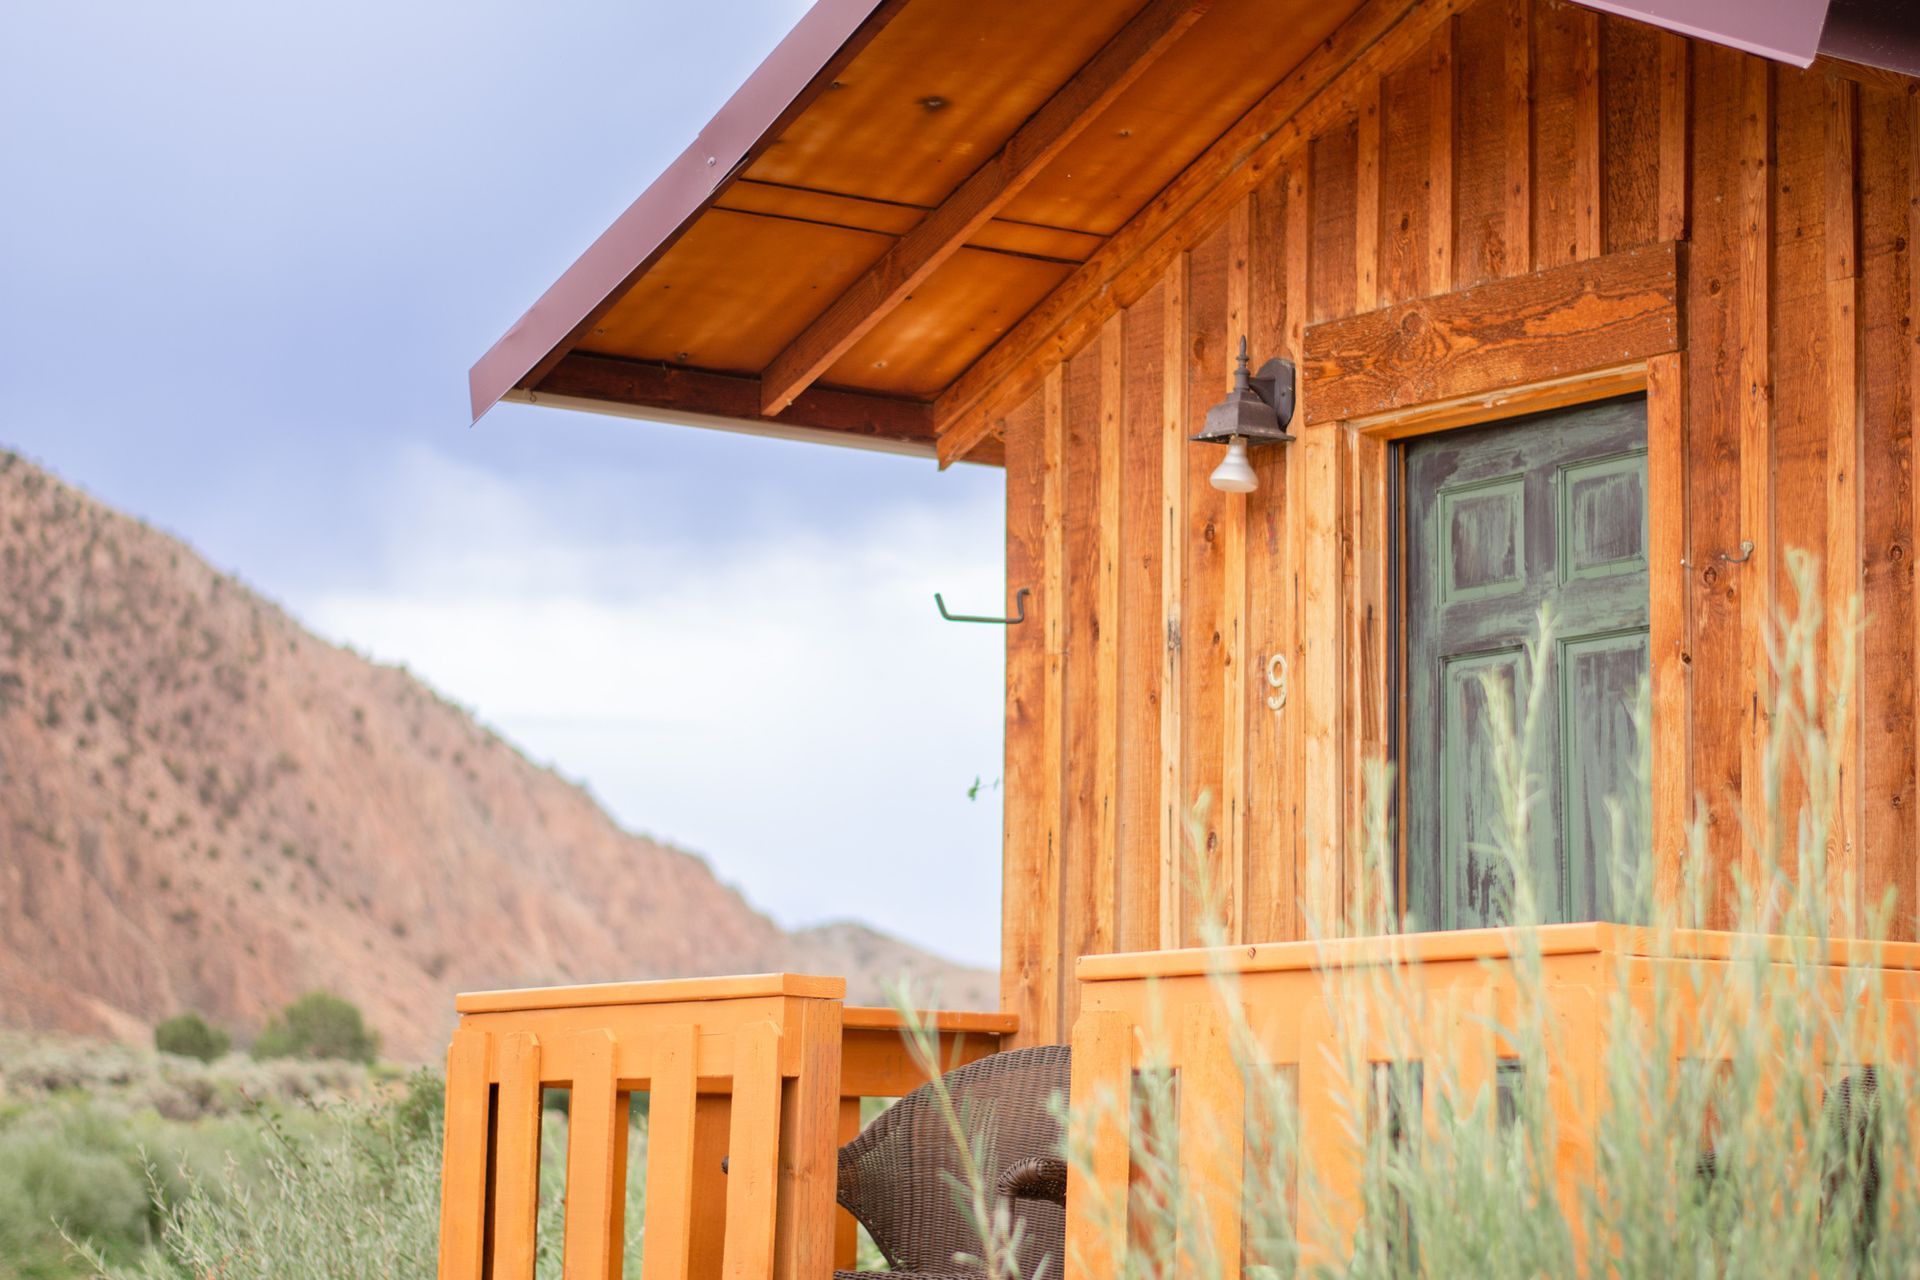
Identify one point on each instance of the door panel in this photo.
(1603, 505)
(1470, 793)
(1501, 522)
(1487, 542)
(1599, 752)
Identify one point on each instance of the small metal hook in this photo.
(1019, 611)
(1746, 553)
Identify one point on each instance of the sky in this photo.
(247, 254)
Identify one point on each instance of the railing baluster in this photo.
(463, 1169)
(1101, 1085)
(516, 1178)
(1575, 1087)
(670, 1105)
(1213, 1128)
(846, 1229)
(1328, 1212)
(753, 1144)
(593, 1178)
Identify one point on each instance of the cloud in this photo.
(786, 702)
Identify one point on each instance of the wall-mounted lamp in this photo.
(1256, 411)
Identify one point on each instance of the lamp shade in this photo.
(1235, 473)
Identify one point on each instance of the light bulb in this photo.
(1235, 473)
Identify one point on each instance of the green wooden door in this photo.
(1501, 520)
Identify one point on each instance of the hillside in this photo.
(203, 806)
(873, 960)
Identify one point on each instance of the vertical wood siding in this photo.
(1272, 747)
(1517, 135)
(1140, 628)
(1884, 172)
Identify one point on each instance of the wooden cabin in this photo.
(1580, 311)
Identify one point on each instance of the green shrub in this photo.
(191, 1036)
(68, 1164)
(318, 1025)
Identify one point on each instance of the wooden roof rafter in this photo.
(942, 232)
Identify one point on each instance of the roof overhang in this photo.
(903, 182)
(896, 186)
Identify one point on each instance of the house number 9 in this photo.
(1277, 680)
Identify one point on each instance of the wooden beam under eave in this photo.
(670, 393)
(935, 238)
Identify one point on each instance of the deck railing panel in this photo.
(1342, 1018)
(764, 1071)
(769, 1072)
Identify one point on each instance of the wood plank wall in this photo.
(1520, 134)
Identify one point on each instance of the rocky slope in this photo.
(203, 806)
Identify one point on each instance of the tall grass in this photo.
(352, 1197)
(1755, 1113)
(80, 1122)
(350, 1193)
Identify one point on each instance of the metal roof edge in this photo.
(651, 222)
(1785, 30)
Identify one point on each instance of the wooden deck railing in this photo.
(765, 1072)
(768, 1071)
(1289, 996)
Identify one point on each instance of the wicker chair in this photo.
(897, 1176)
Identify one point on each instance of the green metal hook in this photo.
(1019, 611)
